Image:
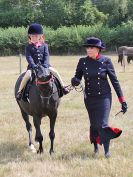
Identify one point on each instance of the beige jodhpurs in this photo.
(25, 80)
(56, 74)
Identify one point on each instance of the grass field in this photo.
(73, 152)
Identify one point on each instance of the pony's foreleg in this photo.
(52, 133)
(120, 59)
(38, 137)
(29, 129)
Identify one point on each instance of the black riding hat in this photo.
(94, 42)
(35, 28)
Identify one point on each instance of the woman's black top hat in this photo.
(94, 42)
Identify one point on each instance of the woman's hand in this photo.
(124, 107)
(75, 81)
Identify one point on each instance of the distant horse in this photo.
(43, 101)
(127, 51)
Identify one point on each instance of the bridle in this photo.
(44, 83)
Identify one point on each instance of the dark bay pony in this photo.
(43, 101)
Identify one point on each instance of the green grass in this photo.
(73, 152)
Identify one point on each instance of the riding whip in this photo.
(118, 113)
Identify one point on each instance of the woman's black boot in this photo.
(106, 149)
(96, 149)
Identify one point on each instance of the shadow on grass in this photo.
(11, 152)
(76, 155)
(78, 152)
(17, 152)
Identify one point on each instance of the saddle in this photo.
(25, 94)
(59, 88)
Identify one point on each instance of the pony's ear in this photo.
(43, 72)
(40, 71)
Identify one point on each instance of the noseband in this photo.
(46, 82)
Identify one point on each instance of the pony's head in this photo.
(44, 81)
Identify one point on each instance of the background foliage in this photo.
(67, 40)
(56, 13)
(66, 23)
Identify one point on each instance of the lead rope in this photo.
(79, 88)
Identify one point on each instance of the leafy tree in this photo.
(91, 15)
(130, 10)
(116, 10)
(56, 13)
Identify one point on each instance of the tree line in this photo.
(57, 13)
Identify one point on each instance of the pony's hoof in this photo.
(51, 152)
(96, 153)
(32, 148)
(40, 151)
(36, 143)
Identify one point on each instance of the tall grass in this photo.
(73, 152)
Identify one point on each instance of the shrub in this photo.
(66, 40)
